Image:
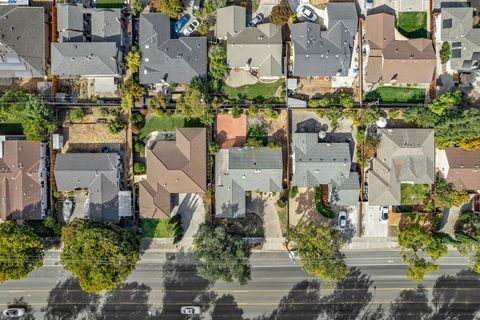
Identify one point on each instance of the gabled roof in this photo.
(238, 170)
(20, 189)
(97, 172)
(22, 46)
(403, 156)
(89, 41)
(317, 163)
(325, 53)
(258, 47)
(397, 61)
(167, 59)
(464, 168)
(173, 166)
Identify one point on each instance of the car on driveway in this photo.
(190, 310)
(383, 214)
(257, 20)
(368, 4)
(191, 28)
(308, 13)
(181, 22)
(342, 220)
(13, 312)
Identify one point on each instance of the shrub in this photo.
(76, 115)
(132, 59)
(236, 112)
(274, 145)
(213, 148)
(136, 7)
(252, 110)
(139, 168)
(282, 203)
(139, 147)
(292, 193)
(115, 126)
(270, 113)
(172, 8)
(445, 52)
(137, 119)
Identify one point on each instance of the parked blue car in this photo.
(181, 22)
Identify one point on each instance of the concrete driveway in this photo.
(192, 210)
(372, 227)
(266, 7)
(264, 206)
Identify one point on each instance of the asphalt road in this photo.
(375, 288)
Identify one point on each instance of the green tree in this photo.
(221, 256)
(369, 116)
(418, 267)
(158, 104)
(139, 168)
(133, 59)
(319, 250)
(446, 197)
(345, 100)
(280, 13)
(252, 110)
(136, 7)
(191, 103)
(116, 126)
(172, 8)
(236, 112)
(454, 127)
(421, 116)
(139, 147)
(137, 119)
(207, 118)
(212, 5)
(38, 120)
(334, 114)
(131, 91)
(21, 251)
(217, 58)
(323, 102)
(270, 113)
(292, 193)
(52, 224)
(471, 144)
(100, 255)
(445, 102)
(76, 115)
(445, 52)
(213, 148)
(203, 28)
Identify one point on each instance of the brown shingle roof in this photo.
(464, 168)
(173, 167)
(20, 190)
(397, 61)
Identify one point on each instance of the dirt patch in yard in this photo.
(313, 87)
(29, 85)
(230, 132)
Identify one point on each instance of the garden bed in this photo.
(319, 204)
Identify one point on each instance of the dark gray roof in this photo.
(23, 41)
(84, 59)
(238, 170)
(166, 59)
(74, 54)
(317, 163)
(97, 172)
(326, 53)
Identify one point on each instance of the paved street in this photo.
(279, 289)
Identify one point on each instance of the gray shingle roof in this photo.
(74, 54)
(403, 156)
(259, 47)
(166, 59)
(84, 59)
(23, 41)
(238, 170)
(325, 53)
(457, 28)
(97, 172)
(317, 163)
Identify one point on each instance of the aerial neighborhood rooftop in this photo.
(260, 120)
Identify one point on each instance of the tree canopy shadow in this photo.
(68, 301)
(411, 304)
(225, 308)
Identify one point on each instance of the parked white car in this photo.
(191, 28)
(383, 214)
(368, 4)
(190, 310)
(308, 13)
(342, 220)
(13, 312)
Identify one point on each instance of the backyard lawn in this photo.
(396, 94)
(110, 4)
(167, 123)
(412, 24)
(412, 194)
(157, 228)
(257, 91)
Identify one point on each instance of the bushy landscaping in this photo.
(396, 94)
(319, 205)
(412, 24)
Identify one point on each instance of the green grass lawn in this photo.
(412, 24)
(167, 123)
(412, 194)
(258, 91)
(157, 228)
(110, 4)
(396, 94)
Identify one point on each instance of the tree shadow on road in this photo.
(183, 286)
(67, 301)
(350, 297)
(225, 308)
(20, 303)
(411, 304)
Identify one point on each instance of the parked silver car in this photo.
(191, 28)
(190, 310)
(309, 13)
